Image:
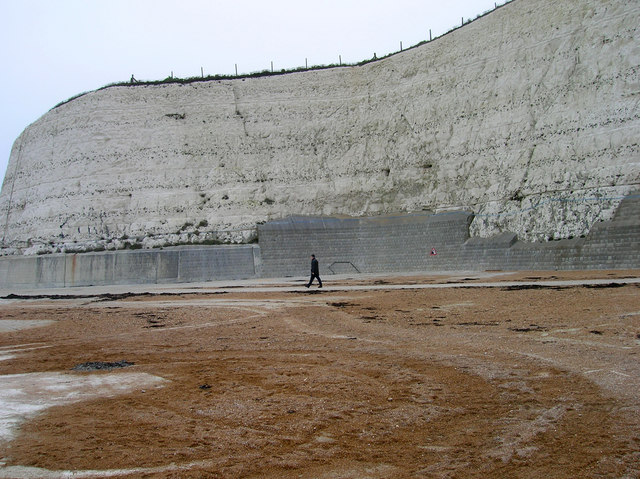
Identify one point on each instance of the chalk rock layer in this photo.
(528, 117)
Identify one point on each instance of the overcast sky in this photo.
(51, 50)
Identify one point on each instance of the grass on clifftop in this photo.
(264, 73)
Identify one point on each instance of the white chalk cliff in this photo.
(528, 116)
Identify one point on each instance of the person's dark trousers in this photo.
(314, 275)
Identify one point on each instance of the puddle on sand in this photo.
(22, 396)
(8, 325)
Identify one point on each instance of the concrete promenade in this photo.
(334, 283)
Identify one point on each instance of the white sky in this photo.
(51, 50)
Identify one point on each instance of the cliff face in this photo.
(528, 117)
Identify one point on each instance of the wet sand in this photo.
(522, 379)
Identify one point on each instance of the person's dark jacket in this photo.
(315, 269)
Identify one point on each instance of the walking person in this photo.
(315, 272)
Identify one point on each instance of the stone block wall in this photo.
(364, 245)
(404, 243)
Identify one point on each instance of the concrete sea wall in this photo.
(535, 101)
(399, 243)
(171, 265)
